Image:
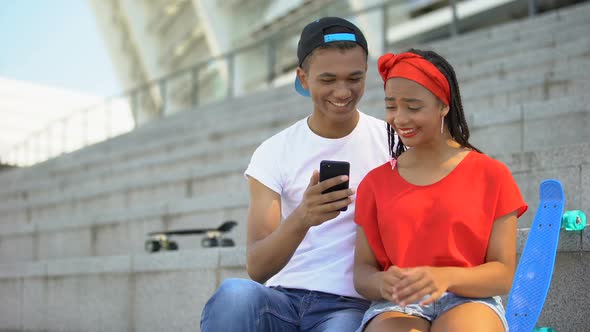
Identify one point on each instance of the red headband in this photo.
(414, 67)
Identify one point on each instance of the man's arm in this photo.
(270, 243)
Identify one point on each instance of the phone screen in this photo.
(333, 168)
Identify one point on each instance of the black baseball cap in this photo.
(314, 35)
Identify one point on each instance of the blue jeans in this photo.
(245, 305)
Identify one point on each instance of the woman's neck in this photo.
(433, 154)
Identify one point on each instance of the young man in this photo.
(299, 244)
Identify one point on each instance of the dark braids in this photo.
(395, 148)
(455, 119)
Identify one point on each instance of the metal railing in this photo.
(211, 80)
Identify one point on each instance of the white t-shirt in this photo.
(284, 163)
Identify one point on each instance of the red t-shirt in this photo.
(447, 223)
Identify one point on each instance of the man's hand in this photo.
(317, 208)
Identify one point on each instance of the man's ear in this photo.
(302, 75)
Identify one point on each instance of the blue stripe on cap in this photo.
(339, 37)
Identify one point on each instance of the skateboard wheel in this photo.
(227, 243)
(209, 242)
(152, 246)
(172, 245)
(574, 220)
(543, 329)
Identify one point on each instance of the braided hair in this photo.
(455, 119)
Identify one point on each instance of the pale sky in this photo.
(55, 43)
(53, 62)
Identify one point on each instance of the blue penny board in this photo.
(535, 269)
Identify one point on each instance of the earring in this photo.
(442, 123)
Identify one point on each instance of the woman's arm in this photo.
(492, 278)
(495, 276)
(369, 280)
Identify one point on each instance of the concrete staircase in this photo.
(72, 229)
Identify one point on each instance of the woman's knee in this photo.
(470, 316)
(397, 321)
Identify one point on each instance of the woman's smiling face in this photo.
(413, 111)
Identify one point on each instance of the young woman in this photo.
(436, 241)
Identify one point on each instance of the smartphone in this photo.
(333, 168)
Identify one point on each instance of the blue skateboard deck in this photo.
(535, 269)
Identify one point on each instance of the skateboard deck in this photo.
(225, 227)
(160, 240)
(535, 268)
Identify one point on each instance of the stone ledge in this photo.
(197, 259)
(212, 202)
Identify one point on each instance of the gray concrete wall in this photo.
(118, 293)
(168, 290)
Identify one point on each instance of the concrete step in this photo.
(545, 59)
(250, 133)
(569, 78)
(203, 121)
(178, 161)
(569, 164)
(118, 293)
(181, 131)
(241, 138)
(508, 38)
(134, 192)
(202, 133)
(151, 133)
(467, 95)
(515, 129)
(486, 51)
(522, 126)
(123, 230)
(572, 71)
(141, 292)
(532, 126)
(563, 78)
(542, 59)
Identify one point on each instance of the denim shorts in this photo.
(432, 311)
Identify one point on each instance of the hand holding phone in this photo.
(332, 168)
